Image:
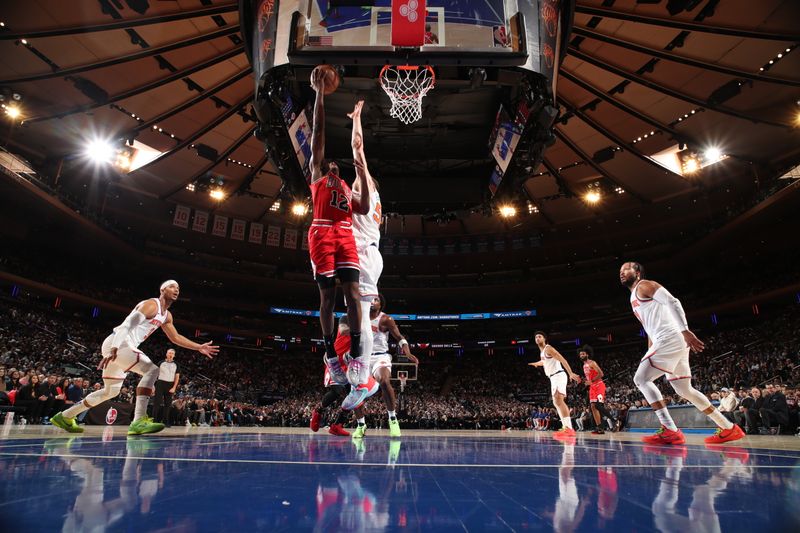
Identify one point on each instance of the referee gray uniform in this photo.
(162, 402)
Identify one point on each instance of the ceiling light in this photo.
(190, 187)
(691, 165)
(100, 151)
(299, 209)
(24, 41)
(217, 194)
(276, 206)
(13, 112)
(592, 197)
(712, 155)
(508, 211)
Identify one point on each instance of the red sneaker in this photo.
(338, 430)
(665, 436)
(564, 433)
(314, 421)
(725, 435)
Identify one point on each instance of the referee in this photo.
(166, 386)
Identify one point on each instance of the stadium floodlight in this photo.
(217, 194)
(100, 151)
(712, 155)
(593, 196)
(13, 112)
(508, 211)
(299, 209)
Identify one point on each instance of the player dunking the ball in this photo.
(669, 341)
(121, 355)
(331, 243)
(558, 370)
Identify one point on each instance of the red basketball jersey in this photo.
(590, 373)
(332, 199)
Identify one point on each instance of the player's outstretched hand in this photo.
(575, 377)
(356, 110)
(413, 358)
(693, 342)
(208, 349)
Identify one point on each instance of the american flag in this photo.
(320, 40)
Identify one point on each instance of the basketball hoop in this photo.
(406, 86)
(402, 375)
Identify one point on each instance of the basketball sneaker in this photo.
(665, 436)
(338, 430)
(360, 431)
(314, 425)
(335, 370)
(359, 394)
(67, 424)
(144, 425)
(394, 427)
(564, 433)
(357, 370)
(725, 435)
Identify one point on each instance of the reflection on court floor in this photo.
(290, 480)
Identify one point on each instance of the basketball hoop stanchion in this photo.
(406, 86)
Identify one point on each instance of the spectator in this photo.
(430, 37)
(775, 411)
(31, 398)
(727, 405)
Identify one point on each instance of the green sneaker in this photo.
(360, 431)
(144, 425)
(67, 424)
(394, 427)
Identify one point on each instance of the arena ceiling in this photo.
(639, 78)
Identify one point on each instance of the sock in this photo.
(329, 350)
(355, 344)
(362, 421)
(141, 407)
(392, 414)
(666, 419)
(75, 410)
(720, 420)
(567, 422)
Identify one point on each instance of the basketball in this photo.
(331, 78)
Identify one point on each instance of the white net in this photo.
(406, 86)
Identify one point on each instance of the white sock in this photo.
(362, 422)
(75, 410)
(720, 420)
(392, 414)
(666, 419)
(141, 407)
(567, 422)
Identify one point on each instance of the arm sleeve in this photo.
(673, 305)
(121, 331)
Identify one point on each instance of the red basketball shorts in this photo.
(331, 248)
(597, 392)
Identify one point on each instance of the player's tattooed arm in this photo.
(318, 132)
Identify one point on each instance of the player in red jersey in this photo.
(336, 391)
(331, 242)
(597, 388)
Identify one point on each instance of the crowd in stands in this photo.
(48, 360)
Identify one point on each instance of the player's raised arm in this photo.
(361, 192)
(390, 325)
(318, 133)
(556, 355)
(208, 349)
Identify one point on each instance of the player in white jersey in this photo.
(558, 370)
(121, 355)
(382, 326)
(669, 341)
(367, 233)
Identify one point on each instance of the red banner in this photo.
(408, 22)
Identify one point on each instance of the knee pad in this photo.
(685, 389)
(149, 376)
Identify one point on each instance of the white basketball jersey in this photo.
(380, 339)
(656, 320)
(551, 364)
(367, 228)
(140, 333)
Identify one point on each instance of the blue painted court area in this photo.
(288, 482)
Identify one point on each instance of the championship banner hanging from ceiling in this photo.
(200, 222)
(182, 214)
(237, 229)
(220, 228)
(256, 233)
